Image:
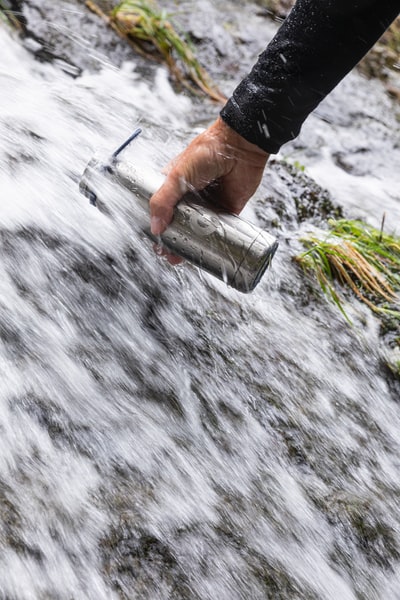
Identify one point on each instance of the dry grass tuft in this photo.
(8, 16)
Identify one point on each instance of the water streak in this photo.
(163, 436)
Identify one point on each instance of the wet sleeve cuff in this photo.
(317, 45)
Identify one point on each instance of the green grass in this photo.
(7, 15)
(151, 33)
(355, 255)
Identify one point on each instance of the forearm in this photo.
(317, 45)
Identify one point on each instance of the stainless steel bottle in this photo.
(223, 244)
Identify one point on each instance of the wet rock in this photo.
(278, 583)
(10, 520)
(390, 329)
(366, 529)
(81, 40)
(13, 339)
(393, 91)
(279, 8)
(392, 369)
(61, 40)
(11, 527)
(253, 365)
(296, 198)
(384, 56)
(356, 162)
(140, 565)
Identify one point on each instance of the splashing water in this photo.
(163, 436)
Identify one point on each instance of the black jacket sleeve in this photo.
(316, 46)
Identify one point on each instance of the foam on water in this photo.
(163, 436)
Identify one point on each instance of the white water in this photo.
(163, 436)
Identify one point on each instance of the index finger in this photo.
(163, 202)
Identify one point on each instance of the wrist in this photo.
(238, 143)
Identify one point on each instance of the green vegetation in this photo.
(358, 256)
(299, 166)
(151, 33)
(7, 15)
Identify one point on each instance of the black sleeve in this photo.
(316, 46)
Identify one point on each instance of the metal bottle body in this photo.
(219, 242)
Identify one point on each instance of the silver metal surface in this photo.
(223, 244)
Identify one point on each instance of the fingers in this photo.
(218, 155)
(163, 202)
(173, 259)
(239, 185)
(193, 169)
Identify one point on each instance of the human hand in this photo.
(218, 155)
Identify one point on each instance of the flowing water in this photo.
(163, 436)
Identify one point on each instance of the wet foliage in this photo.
(10, 13)
(359, 256)
(365, 261)
(150, 31)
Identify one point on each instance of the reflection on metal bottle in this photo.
(219, 242)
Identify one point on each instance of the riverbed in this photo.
(164, 436)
